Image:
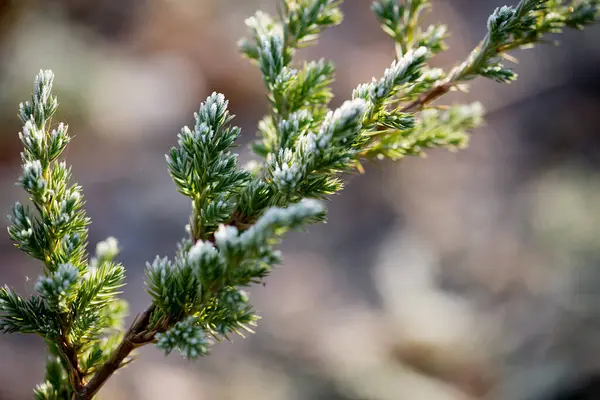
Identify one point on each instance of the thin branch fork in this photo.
(428, 97)
(137, 336)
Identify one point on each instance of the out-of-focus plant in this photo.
(239, 214)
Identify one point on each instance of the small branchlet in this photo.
(509, 28)
(77, 308)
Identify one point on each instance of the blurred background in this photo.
(469, 275)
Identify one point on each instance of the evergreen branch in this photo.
(70, 312)
(183, 302)
(275, 41)
(204, 169)
(447, 128)
(239, 215)
(510, 28)
(214, 277)
(26, 316)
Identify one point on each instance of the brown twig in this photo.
(428, 97)
(138, 335)
(70, 356)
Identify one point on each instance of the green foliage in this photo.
(239, 215)
(204, 169)
(519, 27)
(187, 337)
(76, 302)
(509, 28)
(447, 128)
(402, 21)
(59, 289)
(56, 384)
(200, 285)
(26, 316)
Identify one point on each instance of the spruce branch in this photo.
(510, 28)
(240, 214)
(70, 310)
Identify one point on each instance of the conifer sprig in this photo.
(76, 304)
(509, 28)
(512, 27)
(239, 215)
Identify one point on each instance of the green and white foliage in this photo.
(235, 222)
(239, 214)
(509, 28)
(76, 309)
(200, 292)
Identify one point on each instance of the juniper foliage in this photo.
(239, 214)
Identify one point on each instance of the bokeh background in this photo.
(469, 275)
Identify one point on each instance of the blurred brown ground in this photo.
(472, 275)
